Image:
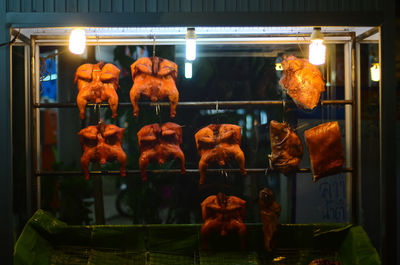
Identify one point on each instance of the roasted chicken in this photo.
(222, 213)
(219, 143)
(325, 148)
(154, 78)
(302, 81)
(286, 148)
(269, 211)
(160, 144)
(97, 83)
(100, 144)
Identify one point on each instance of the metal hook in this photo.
(224, 173)
(98, 47)
(158, 108)
(216, 107)
(283, 110)
(154, 45)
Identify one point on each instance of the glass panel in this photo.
(220, 73)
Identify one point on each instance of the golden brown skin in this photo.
(100, 144)
(97, 83)
(302, 81)
(222, 213)
(159, 144)
(154, 78)
(286, 148)
(325, 148)
(219, 143)
(269, 211)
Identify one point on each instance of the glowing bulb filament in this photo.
(317, 52)
(188, 70)
(190, 49)
(77, 41)
(375, 72)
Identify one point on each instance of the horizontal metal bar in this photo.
(209, 104)
(164, 171)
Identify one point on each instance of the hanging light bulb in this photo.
(188, 70)
(375, 72)
(278, 67)
(317, 48)
(77, 41)
(190, 44)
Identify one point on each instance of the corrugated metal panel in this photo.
(140, 6)
(83, 6)
(49, 6)
(220, 5)
(151, 6)
(37, 6)
(26, 5)
(94, 6)
(72, 6)
(197, 6)
(174, 5)
(60, 6)
(105, 6)
(162, 6)
(186, 5)
(208, 6)
(129, 6)
(117, 6)
(14, 6)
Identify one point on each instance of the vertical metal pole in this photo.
(354, 147)
(357, 166)
(28, 132)
(35, 126)
(98, 186)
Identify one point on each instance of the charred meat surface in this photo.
(154, 78)
(100, 144)
(160, 144)
(219, 143)
(269, 211)
(97, 83)
(222, 213)
(286, 148)
(325, 148)
(302, 81)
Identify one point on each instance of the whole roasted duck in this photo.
(154, 78)
(302, 81)
(269, 211)
(97, 83)
(100, 144)
(325, 148)
(160, 144)
(286, 148)
(219, 143)
(222, 213)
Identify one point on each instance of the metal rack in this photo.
(34, 125)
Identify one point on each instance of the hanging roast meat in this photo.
(286, 148)
(325, 148)
(223, 214)
(323, 262)
(219, 143)
(160, 144)
(269, 211)
(100, 144)
(97, 83)
(154, 78)
(302, 81)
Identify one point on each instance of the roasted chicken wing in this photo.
(302, 81)
(97, 83)
(222, 213)
(100, 144)
(154, 78)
